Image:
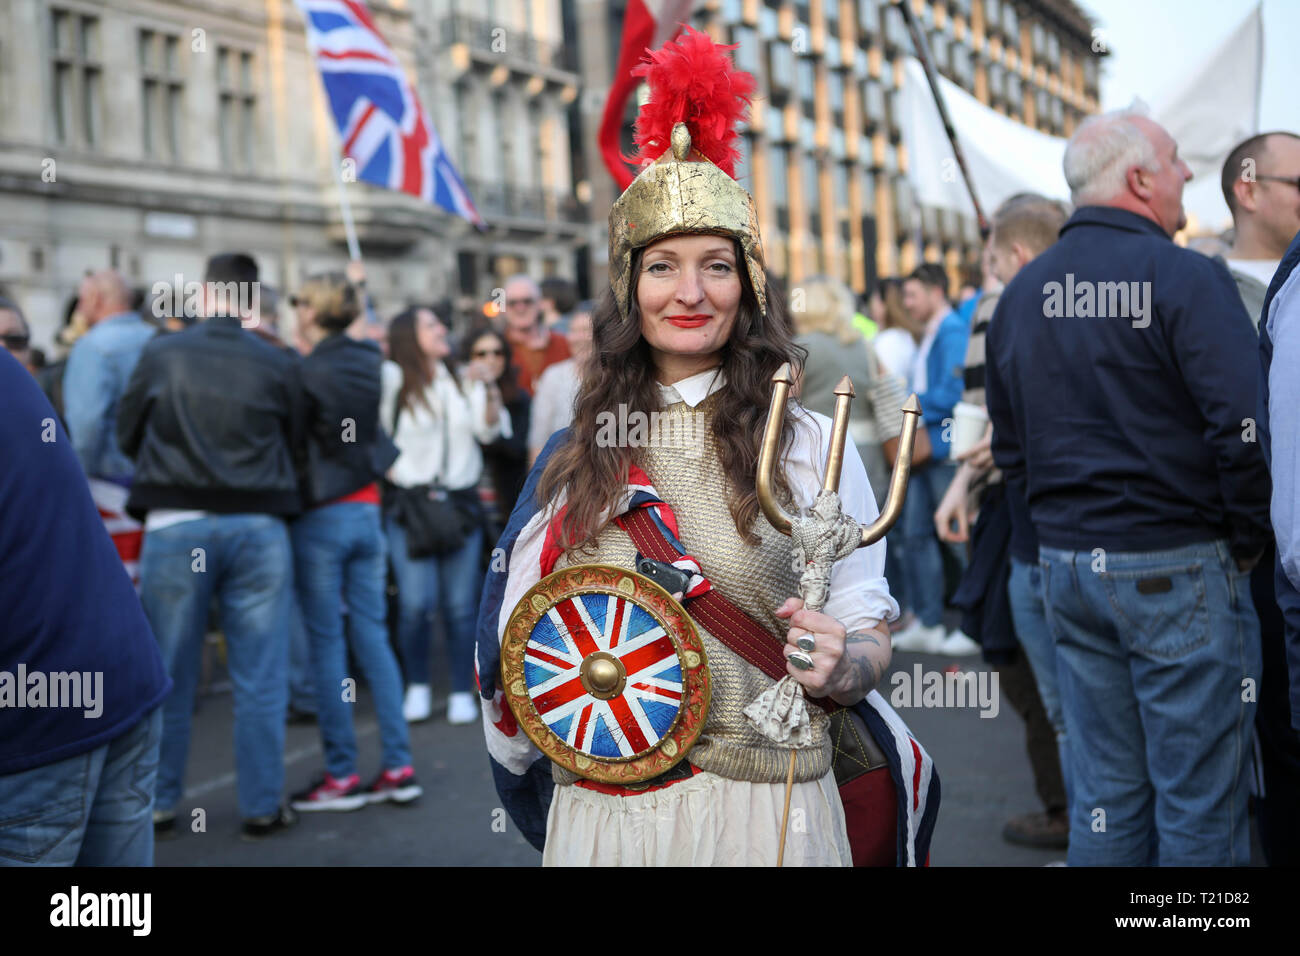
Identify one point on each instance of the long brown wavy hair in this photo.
(404, 349)
(593, 477)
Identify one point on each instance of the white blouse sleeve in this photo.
(390, 383)
(486, 434)
(859, 595)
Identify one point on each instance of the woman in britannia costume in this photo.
(670, 417)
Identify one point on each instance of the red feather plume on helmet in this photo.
(692, 81)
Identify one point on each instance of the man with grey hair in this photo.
(99, 367)
(1121, 378)
(535, 346)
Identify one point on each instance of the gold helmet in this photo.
(686, 134)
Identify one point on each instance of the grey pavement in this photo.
(981, 761)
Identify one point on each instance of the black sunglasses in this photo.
(1289, 180)
(484, 353)
(511, 303)
(15, 341)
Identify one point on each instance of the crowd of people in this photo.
(261, 480)
(1091, 497)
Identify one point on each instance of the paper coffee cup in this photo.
(969, 424)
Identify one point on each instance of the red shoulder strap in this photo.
(724, 620)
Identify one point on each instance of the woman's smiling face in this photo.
(688, 291)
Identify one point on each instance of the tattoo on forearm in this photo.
(860, 637)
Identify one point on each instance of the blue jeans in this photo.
(1025, 595)
(1154, 651)
(921, 560)
(245, 561)
(450, 583)
(339, 557)
(302, 687)
(94, 809)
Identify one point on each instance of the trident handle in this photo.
(893, 508)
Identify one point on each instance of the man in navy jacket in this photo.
(81, 677)
(1121, 384)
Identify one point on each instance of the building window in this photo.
(1010, 23)
(1090, 73)
(237, 108)
(835, 88)
(747, 52)
(811, 194)
(161, 95)
(861, 67)
(807, 73)
(745, 164)
(996, 92)
(837, 143)
(992, 17)
(779, 178)
(840, 188)
(939, 51)
(77, 77)
(769, 23)
(732, 11)
(780, 67)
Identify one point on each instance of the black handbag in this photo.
(437, 520)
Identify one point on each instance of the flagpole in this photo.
(923, 54)
(349, 227)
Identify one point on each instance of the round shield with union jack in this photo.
(606, 673)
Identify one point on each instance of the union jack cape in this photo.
(523, 775)
(381, 123)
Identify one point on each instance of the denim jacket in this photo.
(98, 369)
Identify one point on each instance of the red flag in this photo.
(647, 25)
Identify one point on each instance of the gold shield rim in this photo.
(688, 723)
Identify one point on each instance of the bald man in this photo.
(1121, 381)
(98, 369)
(1261, 185)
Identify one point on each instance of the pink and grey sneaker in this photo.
(329, 793)
(397, 785)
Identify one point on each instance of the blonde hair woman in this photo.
(824, 327)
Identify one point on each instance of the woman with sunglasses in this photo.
(488, 360)
(438, 422)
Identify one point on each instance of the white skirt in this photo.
(706, 820)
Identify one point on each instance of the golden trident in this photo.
(784, 523)
(822, 535)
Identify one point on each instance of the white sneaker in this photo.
(957, 644)
(418, 704)
(462, 708)
(920, 639)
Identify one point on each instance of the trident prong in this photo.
(844, 395)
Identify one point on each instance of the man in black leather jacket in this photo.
(213, 418)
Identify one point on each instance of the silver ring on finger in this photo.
(801, 660)
(806, 642)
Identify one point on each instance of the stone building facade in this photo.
(146, 135)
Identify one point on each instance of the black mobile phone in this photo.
(671, 579)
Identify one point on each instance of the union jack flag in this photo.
(631, 722)
(381, 123)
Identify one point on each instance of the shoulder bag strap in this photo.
(720, 617)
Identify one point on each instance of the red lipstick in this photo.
(687, 321)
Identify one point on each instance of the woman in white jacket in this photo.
(437, 421)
